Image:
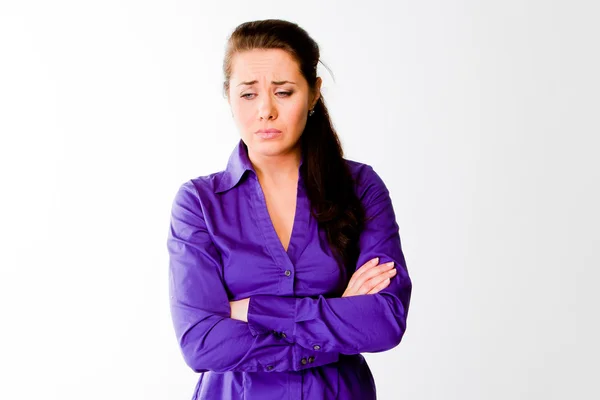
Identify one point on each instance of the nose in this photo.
(266, 109)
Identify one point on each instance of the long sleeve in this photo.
(356, 324)
(209, 339)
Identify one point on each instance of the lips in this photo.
(269, 133)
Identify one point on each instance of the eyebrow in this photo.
(278, 83)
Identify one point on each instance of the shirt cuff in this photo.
(304, 358)
(267, 313)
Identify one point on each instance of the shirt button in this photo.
(269, 368)
(311, 359)
(288, 272)
(303, 361)
(283, 335)
(317, 347)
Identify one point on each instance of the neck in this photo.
(277, 168)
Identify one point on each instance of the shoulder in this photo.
(207, 185)
(367, 181)
(199, 189)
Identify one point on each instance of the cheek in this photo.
(243, 115)
(291, 108)
(296, 115)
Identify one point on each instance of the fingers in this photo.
(366, 266)
(382, 285)
(372, 272)
(363, 268)
(370, 278)
(375, 281)
(375, 271)
(373, 285)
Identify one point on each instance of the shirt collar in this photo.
(238, 164)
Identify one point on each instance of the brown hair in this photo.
(329, 184)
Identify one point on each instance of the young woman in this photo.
(286, 265)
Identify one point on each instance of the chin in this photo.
(271, 147)
(267, 149)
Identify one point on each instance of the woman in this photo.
(266, 297)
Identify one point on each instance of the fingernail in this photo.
(392, 271)
(375, 260)
(390, 263)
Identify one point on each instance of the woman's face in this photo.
(268, 91)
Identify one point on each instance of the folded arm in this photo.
(209, 339)
(348, 325)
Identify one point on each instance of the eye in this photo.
(279, 94)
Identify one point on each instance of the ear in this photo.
(317, 92)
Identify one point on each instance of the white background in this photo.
(481, 117)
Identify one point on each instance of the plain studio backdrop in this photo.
(480, 116)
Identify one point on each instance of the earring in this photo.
(311, 112)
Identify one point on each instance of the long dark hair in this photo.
(329, 184)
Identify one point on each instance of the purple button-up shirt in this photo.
(302, 340)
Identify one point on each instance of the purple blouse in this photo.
(302, 340)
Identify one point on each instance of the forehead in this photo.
(264, 63)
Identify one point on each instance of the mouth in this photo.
(268, 133)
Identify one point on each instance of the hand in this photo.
(370, 278)
(239, 309)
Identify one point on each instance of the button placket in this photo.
(272, 241)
